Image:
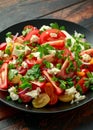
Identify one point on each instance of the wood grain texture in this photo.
(81, 13)
(26, 10)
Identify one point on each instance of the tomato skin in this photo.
(3, 46)
(29, 27)
(45, 36)
(32, 62)
(49, 89)
(25, 98)
(81, 84)
(58, 44)
(3, 76)
(36, 84)
(29, 35)
(22, 70)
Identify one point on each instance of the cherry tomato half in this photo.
(3, 46)
(51, 35)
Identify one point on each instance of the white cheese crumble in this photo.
(24, 64)
(53, 35)
(44, 27)
(9, 40)
(34, 38)
(1, 53)
(5, 55)
(53, 71)
(71, 90)
(52, 52)
(13, 62)
(77, 96)
(34, 93)
(13, 94)
(36, 54)
(86, 57)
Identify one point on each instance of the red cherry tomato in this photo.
(3, 76)
(48, 35)
(22, 70)
(29, 27)
(82, 85)
(49, 89)
(32, 62)
(32, 32)
(3, 46)
(25, 98)
(58, 44)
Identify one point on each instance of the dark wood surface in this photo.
(15, 11)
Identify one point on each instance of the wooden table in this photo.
(78, 11)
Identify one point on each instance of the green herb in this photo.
(69, 43)
(70, 67)
(19, 100)
(78, 88)
(26, 42)
(12, 73)
(9, 34)
(34, 72)
(20, 58)
(1, 62)
(26, 31)
(69, 82)
(25, 85)
(8, 98)
(58, 65)
(56, 26)
(47, 64)
(7, 50)
(89, 80)
(25, 82)
(11, 66)
(59, 54)
(41, 79)
(44, 49)
(63, 84)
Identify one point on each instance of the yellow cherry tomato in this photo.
(41, 101)
(66, 97)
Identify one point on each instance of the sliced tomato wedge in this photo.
(36, 84)
(49, 89)
(51, 35)
(57, 89)
(58, 44)
(3, 76)
(25, 98)
(3, 46)
(32, 32)
(22, 70)
(82, 85)
(32, 62)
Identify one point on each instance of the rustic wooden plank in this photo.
(63, 121)
(81, 13)
(25, 10)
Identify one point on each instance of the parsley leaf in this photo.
(12, 73)
(34, 72)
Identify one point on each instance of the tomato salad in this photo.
(45, 66)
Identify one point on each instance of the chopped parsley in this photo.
(56, 26)
(12, 73)
(34, 73)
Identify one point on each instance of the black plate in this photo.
(70, 27)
